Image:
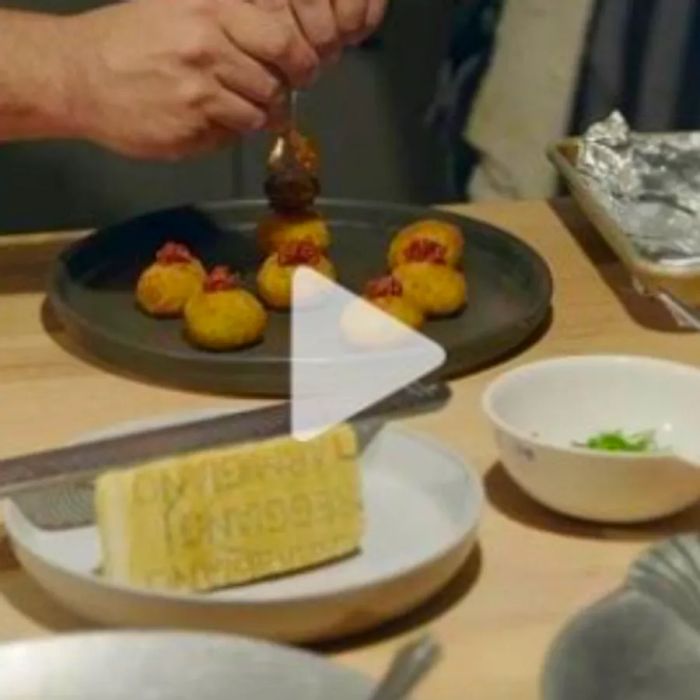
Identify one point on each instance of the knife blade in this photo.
(54, 490)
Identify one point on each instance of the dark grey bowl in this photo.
(92, 291)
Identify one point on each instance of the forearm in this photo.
(34, 76)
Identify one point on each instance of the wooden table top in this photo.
(532, 569)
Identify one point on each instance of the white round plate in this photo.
(422, 506)
(169, 666)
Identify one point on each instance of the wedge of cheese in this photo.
(231, 515)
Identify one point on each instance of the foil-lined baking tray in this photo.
(642, 192)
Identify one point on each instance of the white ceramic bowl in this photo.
(540, 411)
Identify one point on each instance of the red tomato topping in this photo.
(299, 253)
(221, 279)
(172, 253)
(387, 286)
(426, 250)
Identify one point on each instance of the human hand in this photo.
(329, 25)
(165, 78)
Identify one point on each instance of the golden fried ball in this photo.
(279, 228)
(275, 277)
(402, 310)
(371, 331)
(222, 316)
(439, 290)
(164, 287)
(387, 293)
(440, 232)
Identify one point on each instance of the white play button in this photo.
(347, 354)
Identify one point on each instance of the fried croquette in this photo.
(276, 229)
(367, 330)
(438, 290)
(165, 286)
(275, 277)
(387, 294)
(223, 316)
(404, 247)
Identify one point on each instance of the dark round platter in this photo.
(92, 291)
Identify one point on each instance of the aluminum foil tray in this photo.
(642, 192)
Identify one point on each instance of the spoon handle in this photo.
(292, 100)
(409, 666)
(684, 314)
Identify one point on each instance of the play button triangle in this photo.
(347, 354)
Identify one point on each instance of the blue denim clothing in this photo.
(474, 28)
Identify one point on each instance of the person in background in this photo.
(524, 73)
(164, 79)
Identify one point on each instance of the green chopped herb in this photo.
(617, 441)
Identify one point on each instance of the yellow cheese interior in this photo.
(231, 515)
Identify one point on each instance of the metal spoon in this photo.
(684, 314)
(292, 181)
(410, 665)
(281, 148)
